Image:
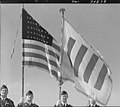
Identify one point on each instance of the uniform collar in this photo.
(93, 105)
(30, 103)
(64, 103)
(3, 98)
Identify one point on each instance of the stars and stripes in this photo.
(40, 48)
(88, 67)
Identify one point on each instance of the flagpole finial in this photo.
(62, 10)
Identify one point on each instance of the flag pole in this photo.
(22, 53)
(62, 11)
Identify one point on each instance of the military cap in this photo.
(29, 93)
(64, 92)
(3, 87)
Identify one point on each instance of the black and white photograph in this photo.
(59, 54)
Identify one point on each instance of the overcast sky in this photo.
(98, 24)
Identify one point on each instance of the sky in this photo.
(99, 24)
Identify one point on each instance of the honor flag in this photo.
(40, 48)
(87, 66)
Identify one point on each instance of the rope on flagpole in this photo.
(13, 50)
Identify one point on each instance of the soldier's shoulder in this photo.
(97, 106)
(10, 102)
(8, 99)
(35, 105)
(69, 105)
(25, 104)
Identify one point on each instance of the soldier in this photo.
(92, 103)
(27, 102)
(63, 102)
(4, 101)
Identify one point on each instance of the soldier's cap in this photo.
(64, 92)
(3, 87)
(29, 93)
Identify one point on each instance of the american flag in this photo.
(40, 48)
(87, 66)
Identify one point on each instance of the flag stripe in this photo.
(53, 54)
(38, 47)
(37, 64)
(55, 46)
(90, 67)
(79, 58)
(34, 55)
(71, 42)
(35, 60)
(53, 63)
(101, 77)
(55, 74)
(34, 51)
(33, 46)
(40, 56)
(95, 72)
